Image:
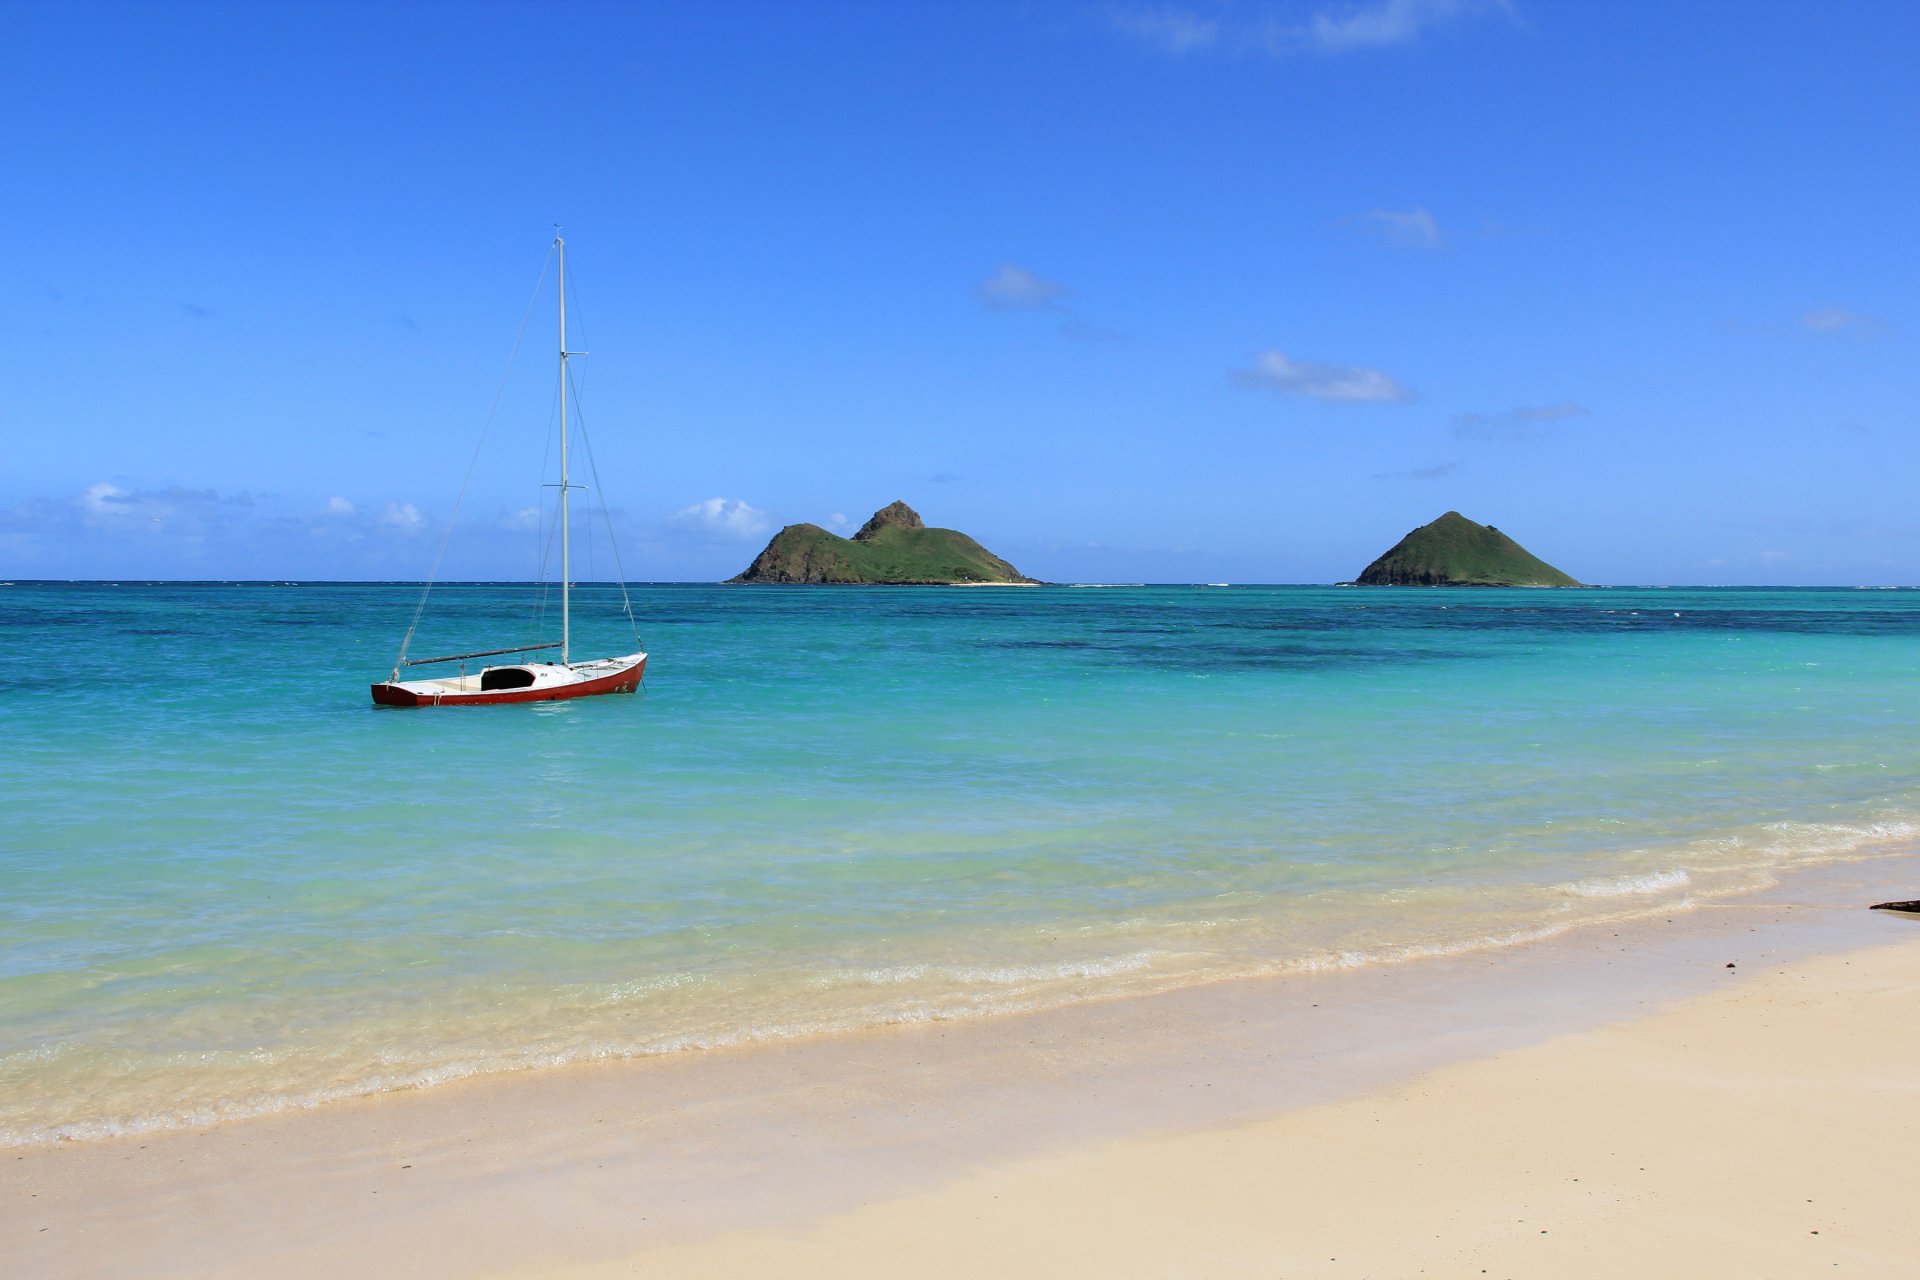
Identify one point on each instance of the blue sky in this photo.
(1166, 292)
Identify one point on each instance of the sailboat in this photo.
(522, 681)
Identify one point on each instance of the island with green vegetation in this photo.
(1453, 551)
(894, 548)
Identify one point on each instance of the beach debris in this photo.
(1911, 907)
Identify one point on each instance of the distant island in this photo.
(894, 548)
(1453, 551)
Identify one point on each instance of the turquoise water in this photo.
(229, 885)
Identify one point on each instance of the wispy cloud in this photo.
(1336, 383)
(119, 527)
(1514, 424)
(724, 517)
(1011, 288)
(1086, 331)
(1014, 288)
(1167, 29)
(1272, 30)
(109, 506)
(1438, 471)
(195, 310)
(1841, 322)
(1390, 22)
(1409, 229)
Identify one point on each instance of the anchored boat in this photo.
(523, 681)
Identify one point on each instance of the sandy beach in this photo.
(1727, 1091)
(1763, 1131)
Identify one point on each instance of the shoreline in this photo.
(1613, 901)
(595, 1162)
(1757, 1131)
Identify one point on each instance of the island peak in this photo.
(895, 547)
(897, 514)
(1453, 551)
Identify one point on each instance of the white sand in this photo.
(1770, 1130)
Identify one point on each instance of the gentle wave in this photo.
(1628, 885)
(960, 992)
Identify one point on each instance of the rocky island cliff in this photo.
(895, 547)
(1453, 551)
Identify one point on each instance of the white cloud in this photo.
(106, 500)
(727, 517)
(1014, 288)
(1167, 28)
(120, 528)
(1514, 424)
(1836, 320)
(1827, 319)
(338, 506)
(524, 518)
(1387, 22)
(403, 516)
(1412, 229)
(1339, 383)
(1257, 28)
(108, 506)
(839, 520)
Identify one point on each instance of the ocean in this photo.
(229, 885)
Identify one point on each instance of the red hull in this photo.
(625, 680)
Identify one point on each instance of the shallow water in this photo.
(229, 885)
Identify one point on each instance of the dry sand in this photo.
(1768, 1130)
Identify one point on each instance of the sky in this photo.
(1169, 292)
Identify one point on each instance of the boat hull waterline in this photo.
(550, 682)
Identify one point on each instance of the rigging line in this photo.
(613, 544)
(543, 597)
(549, 519)
(447, 539)
(547, 530)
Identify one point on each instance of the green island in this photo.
(1453, 551)
(894, 548)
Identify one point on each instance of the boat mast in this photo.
(566, 563)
